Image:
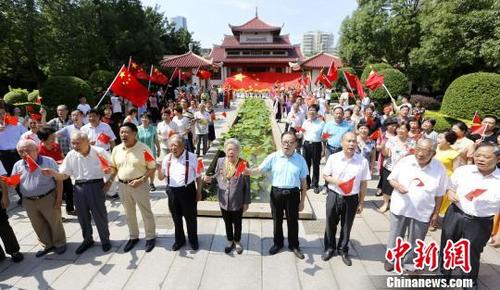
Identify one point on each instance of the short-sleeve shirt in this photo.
(130, 162)
(10, 135)
(57, 124)
(2, 169)
(344, 169)
(183, 126)
(286, 172)
(34, 183)
(313, 130)
(67, 131)
(336, 131)
(94, 132)
(116, 104)
(148, 137)
(178, 168)
(398, 150)
(84, 108)
(466, 179)
(202, 120)
(423, 184)
(163, 130)
(84, 167)
(447, 157)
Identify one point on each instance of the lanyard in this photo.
(185, 171)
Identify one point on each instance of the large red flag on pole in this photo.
(158, 77)
(127, 86)
(137, 71)
(354, 82)
(332, 74)
(374, 81)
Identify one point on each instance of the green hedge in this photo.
(443, 121)
(59, 90)
(473, 92)
(375, 66)
(395, 81)
(99, 80)
(16, 96)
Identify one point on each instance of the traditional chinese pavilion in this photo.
(255, 47)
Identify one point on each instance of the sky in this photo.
(209, 19)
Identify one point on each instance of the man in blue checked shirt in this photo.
(336, 129)
(288, 171)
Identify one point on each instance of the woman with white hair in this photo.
(233, 191)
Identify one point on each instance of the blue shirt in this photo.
(286, 171)
(313, 130)
(10, 135)
(336, 132)
(34, 183)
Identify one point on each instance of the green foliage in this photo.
(376, 66)
(65, 90)
(33, 96)
(253, 130)
(99, 80)
(443, 121)
(16, 96)
(395, 81)
(473, 92)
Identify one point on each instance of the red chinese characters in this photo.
(457, 255)
(397, 253)
(426, 255)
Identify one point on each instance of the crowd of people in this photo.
(423, 175)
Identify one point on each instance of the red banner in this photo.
(263, 81)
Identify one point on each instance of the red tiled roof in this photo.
(187, 60)
(320, 60)
(255, 24)
(279, 42)
(218, 54)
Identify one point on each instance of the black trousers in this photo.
(7, 235)
(457, 225)
(232, 221)
(312, 155)
(68, 194)
(339, 208)
(9, 158)
(91, 200)
(182, 203)
(288, 202)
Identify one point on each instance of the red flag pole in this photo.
(129, 62)
(150, 75)
(348, 85)
(109, 88)
(180, 73)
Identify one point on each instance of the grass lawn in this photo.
(443, 121)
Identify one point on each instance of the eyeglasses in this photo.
(289, 143)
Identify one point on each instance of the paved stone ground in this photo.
(209, 267)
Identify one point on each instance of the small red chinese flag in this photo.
(374, 81)
(346, 186)
(148, 157)
(13, 180)
(204, 74)
(300, 129)
(32, 165)
(476, 119)
(376, 134)
(200, 166)
(10, 120)
(325, 136)
(242, 166)
(103, 138)
(477, 130)
(420, 183)
(475, 193)
(411, 151)
(29, 109)
(103, 162)
(224, 114)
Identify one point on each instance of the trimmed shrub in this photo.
(65, 90)
(32, 97)
(443, 121)
(16, 96)
(376, 66)
(99, 80)
(395, 81)
(473, 92)
(427, 102)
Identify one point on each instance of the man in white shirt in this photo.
(183, 190)
(116, 105)
(419, 183)
(183, 125)
(100, 134)
(347, 174)
(313, 147)
(475, 196)
(165, 129)
(68, 131)
(84, 165)
(84, 108)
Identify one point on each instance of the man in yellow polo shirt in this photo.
(130, 165)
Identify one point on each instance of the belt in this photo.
(309, 142)
(484, 218)
(340, 194)
(40, 196)
(285, 190)
(128, 181)
(83, 181)
(9, 150)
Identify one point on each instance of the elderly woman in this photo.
(233, 190)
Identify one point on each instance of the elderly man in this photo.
(347, 174)
(180, 169)
(313, 147)
(42, 197)
(419, 183)
(62, 120)
(100, 134)
(474, 191)
(336, 129)
(133, 169)
(288, 191)
(84, 165)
